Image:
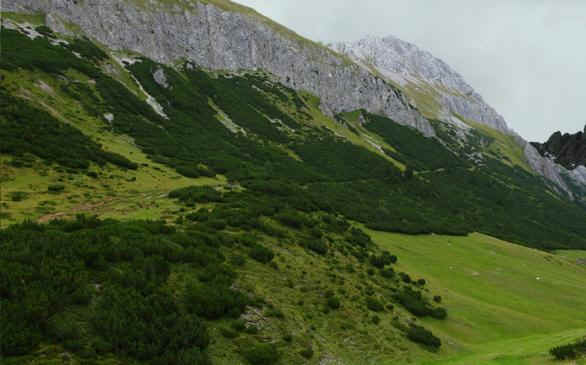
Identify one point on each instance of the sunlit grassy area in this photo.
(507, 304)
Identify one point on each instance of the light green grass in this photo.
(503, 145)
(33, 18)
(502, 299)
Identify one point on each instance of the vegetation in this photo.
(259, 254)
(569, 352)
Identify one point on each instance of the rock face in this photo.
(412, 67)
(406, 64)
(217, 39)
(568, 150)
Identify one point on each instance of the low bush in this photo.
(374, 304)
(570, 351)
(261, 354)
(333, 303)
(317, 246)
(56, 188)
(420, 335)
(18, 196)
(261, 254)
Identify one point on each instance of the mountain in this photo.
(440, 93)
(436, 88)
(568, 150)
(188, 182)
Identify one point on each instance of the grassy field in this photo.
(507, 304)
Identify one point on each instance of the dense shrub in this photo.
(261, 354)
(196, 194)
(333, 302)
(317, 246)
(570, 351)
(214, 300)
(307, 352)
(416, 304)
(374, 304)
(261, 254)
(56, 188)
(18, 196)
(292, 219)
(425, 337)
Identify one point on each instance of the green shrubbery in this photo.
(417, 305)
(425, 337)
(122, 270)
(374, 304)
(569, 352)
(261, 353)
(261, 254)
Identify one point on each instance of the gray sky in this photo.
(527, 58)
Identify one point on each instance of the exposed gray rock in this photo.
(222, 40)
(161, 78)
(405, 63)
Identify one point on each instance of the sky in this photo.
(527, 58)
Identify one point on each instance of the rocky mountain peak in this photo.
(425, 75)
(566, 149)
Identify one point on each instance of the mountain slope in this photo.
(255, 198)
(420, 73)
(441, 93)
(215, 38)
(568, 150)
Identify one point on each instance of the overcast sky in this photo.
(527, 58)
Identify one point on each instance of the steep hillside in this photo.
(160, 208)
(205, 33)
(440, 93)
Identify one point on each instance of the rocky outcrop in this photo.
(217, 39)
(567, 149)
(406, 64)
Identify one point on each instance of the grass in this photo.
(34, 18)
(362, 139)
(507, 304)
(503, 146)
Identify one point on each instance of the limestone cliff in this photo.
(225, 36)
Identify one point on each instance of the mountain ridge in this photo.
(239, 42)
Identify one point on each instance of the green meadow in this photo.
(507, 304)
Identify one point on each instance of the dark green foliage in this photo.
(425, 337)
(25, 129)
(446, 196)
(375, 320)
(292, 219)
(44, 30)
(417, 305)
(55, 188)
(437, 299)
(569, 352)
(374, 304)
(228, 332)
(196, 194)
(146, 327)
(382, 260)
(87, 49)
(439, 313)
(261, 353)
(18, 196)
(333, 303)
(405, 277)
(317, 246)
(307, 353)
(388, 273)
(118, 272)
(261, 254)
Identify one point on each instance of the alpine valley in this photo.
(188, 182)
